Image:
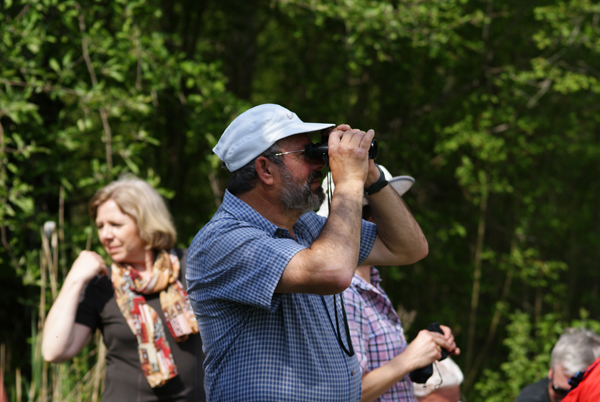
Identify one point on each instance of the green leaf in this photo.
(54, 65)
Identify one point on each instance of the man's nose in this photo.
(318, 164)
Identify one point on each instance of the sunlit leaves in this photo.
(65, 64)
(377, 26)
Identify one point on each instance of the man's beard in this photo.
(300, 198)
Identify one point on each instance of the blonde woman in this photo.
(154, 351)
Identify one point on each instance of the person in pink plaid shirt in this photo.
(384, 356)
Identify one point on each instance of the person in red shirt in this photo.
(575, 351)
(588, 389)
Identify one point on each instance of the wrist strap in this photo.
(378, 185)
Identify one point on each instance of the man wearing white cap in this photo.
(262, 272)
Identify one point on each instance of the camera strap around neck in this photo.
(350, 350)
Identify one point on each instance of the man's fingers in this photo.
(335, 134)
(367, 139)
(356, 139)
(352, 136)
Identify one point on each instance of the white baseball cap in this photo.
(400, 184)
(255, 130)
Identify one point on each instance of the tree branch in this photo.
(492, 331)
(544, 88)
(477, 276)
(23, 12)
(45, 88)
(90, 67)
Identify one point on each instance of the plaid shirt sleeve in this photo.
(368, 233)
(241, 264)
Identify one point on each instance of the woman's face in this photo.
(119, 234)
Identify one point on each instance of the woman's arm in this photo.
(422, 351)
(63, 338)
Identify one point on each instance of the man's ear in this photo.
(550, 373)
(265, 169)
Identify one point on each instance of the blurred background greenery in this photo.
(491, 105)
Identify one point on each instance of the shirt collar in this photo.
(375, 277)
(362, 284)
(244, 212)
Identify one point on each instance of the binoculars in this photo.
(321, 150)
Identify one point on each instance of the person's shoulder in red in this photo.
(588, 390)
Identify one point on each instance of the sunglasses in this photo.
(560, 392)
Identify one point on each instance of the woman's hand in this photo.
(450, 339)
(427, 348)
(422, 351)
(87, 265)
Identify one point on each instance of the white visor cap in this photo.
(400, 184)
(255, 130)
(447, 374)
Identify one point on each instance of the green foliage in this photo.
(89, 90)
(491, 106)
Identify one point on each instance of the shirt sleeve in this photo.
(238, 263)
(359, 327)
(90, 305)
(368, 233)
(367, 239)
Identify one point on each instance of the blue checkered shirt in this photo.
(261, 345)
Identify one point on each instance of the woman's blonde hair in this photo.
(146, 207)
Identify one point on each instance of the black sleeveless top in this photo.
(125, 380)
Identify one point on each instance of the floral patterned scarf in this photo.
(153, 347)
